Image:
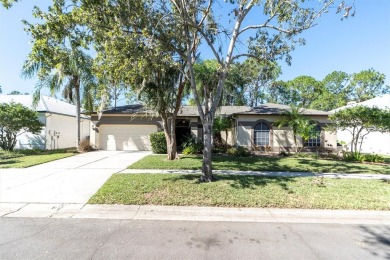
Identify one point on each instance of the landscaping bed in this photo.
(27, 158)
(245, 191)
(261, 163)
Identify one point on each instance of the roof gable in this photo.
(45, 104)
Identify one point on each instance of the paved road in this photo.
(43, 238)
(70, 180)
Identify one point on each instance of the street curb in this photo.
(179, 213)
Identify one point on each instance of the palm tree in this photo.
(295, 120)
(71, 71)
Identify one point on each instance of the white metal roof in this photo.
(45, 104)
(382, 102)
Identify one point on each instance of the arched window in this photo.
(261, 134)
(315, 141)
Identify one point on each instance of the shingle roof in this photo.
(277, 109)
(269, 108)
(223, 110)
(45, 104)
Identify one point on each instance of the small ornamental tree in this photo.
(15, 119)
(359, 121)
(299, 124)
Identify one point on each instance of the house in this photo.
(58, 118)
(374, 142)
(128, 127)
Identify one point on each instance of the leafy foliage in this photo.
(238, 151)
(58, 56)
(300, 125)
(14, 120)
(361, 157)
(158, 143)
(337, 88)
(192, 145)
(360, 121)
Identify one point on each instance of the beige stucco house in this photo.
(58, 118)
(129, 127)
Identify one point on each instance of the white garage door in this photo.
(126, 137)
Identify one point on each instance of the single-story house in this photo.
(128, 127)
(374, 142)
(58, 118)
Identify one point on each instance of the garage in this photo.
(125, 137)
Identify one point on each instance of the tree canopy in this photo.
(15, 119)
(359, 121)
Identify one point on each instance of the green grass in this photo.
(244, 191)
(260, 164)
(27, 158)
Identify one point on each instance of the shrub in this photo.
(284, 154)
(374, 158)
(220, 148)
(239, 151)
(193, 144)
(190, 150)
(85, 146)
(353, 157)
(361, 157)
(158, 143)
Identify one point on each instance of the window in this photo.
(316, 141)
(261, 132)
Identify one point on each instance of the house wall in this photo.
(280, 138)
(61, 131)
(374, 142)
(27, 140)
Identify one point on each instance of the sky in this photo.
(351, 45)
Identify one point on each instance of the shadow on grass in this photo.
(340, 166)
(378, 239)
(9, 162)
(239, 181)
(251, 163)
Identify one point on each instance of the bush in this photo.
(374, 158)
(239, 151)
(190, 150)
(192, 145)
(220, 149)
(361, 157)
(284, 154)
(158, 143)
(353, 157)
(85, 146)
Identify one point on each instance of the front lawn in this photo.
(260, 163)
(244, 191)
(27, 158)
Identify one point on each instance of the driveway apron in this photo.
(70, 180)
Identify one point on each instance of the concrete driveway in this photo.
(70, 180)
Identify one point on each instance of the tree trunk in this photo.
(78, 108)
(207, 170)
(169, 126)
(171, 145)
(295, 143)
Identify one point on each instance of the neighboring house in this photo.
(58, 118)
(129, 127)
(375, 142)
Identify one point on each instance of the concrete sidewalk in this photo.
(176, 213)
(362, 176)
